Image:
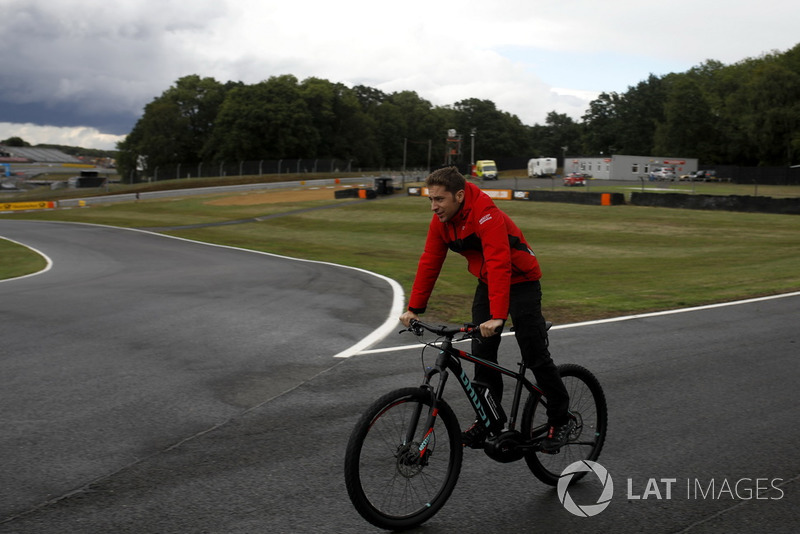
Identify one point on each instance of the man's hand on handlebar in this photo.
(492, 327)
(407, 317)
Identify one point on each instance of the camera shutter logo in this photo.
(587, 510)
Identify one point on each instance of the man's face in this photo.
(444, 203)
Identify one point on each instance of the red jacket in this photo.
(495, 249)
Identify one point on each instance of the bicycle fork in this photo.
(430, 418)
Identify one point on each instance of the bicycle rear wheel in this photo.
(587, 405)
(398, 484)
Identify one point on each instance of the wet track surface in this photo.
(150, 384)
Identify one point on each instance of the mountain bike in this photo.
(405, 452)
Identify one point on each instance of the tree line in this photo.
(747, 113)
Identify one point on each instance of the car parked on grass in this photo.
(575, 179)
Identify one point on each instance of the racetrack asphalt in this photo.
(150, 384)
(134, 342)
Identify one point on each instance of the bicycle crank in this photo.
(505, 448)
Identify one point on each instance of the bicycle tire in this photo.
(587, 403)
(389, 483)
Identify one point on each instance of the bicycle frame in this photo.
(448, 360)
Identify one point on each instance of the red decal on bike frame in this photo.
(428, 433)
(425, 441)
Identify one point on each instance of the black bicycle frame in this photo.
(448, 360)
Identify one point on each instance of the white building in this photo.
(621, 167)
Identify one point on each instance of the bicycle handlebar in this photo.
(450, 332)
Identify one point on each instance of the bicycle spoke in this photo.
(587, 407)
(400, 482)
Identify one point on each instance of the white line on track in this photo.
(615, 319)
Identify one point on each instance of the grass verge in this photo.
(16, 260)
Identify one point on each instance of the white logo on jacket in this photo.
(485, 218)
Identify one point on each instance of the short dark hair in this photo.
(449, 177)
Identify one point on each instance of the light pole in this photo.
(405, 152)
(472, 147)
(430, 145)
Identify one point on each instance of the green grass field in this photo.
(598, 261)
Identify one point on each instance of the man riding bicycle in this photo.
(467, 221)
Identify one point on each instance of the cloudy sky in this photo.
(79, 72)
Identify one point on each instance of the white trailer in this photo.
(542, 167)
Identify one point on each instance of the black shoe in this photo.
(557, 436)
(475, 435)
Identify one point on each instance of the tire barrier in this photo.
(744, 203)
(383, 186)
(594, 199)
(355, 193)
(789, 206)
(597, 199)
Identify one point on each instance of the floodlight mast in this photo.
(453, 146)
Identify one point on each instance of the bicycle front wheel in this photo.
(587, 407)
(398, 483)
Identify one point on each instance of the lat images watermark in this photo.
(741, 489)
(587, 510)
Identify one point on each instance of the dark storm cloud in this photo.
(93, 63)
(67, 114)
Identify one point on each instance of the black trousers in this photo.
(530, 330)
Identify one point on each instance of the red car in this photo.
(575, 178)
